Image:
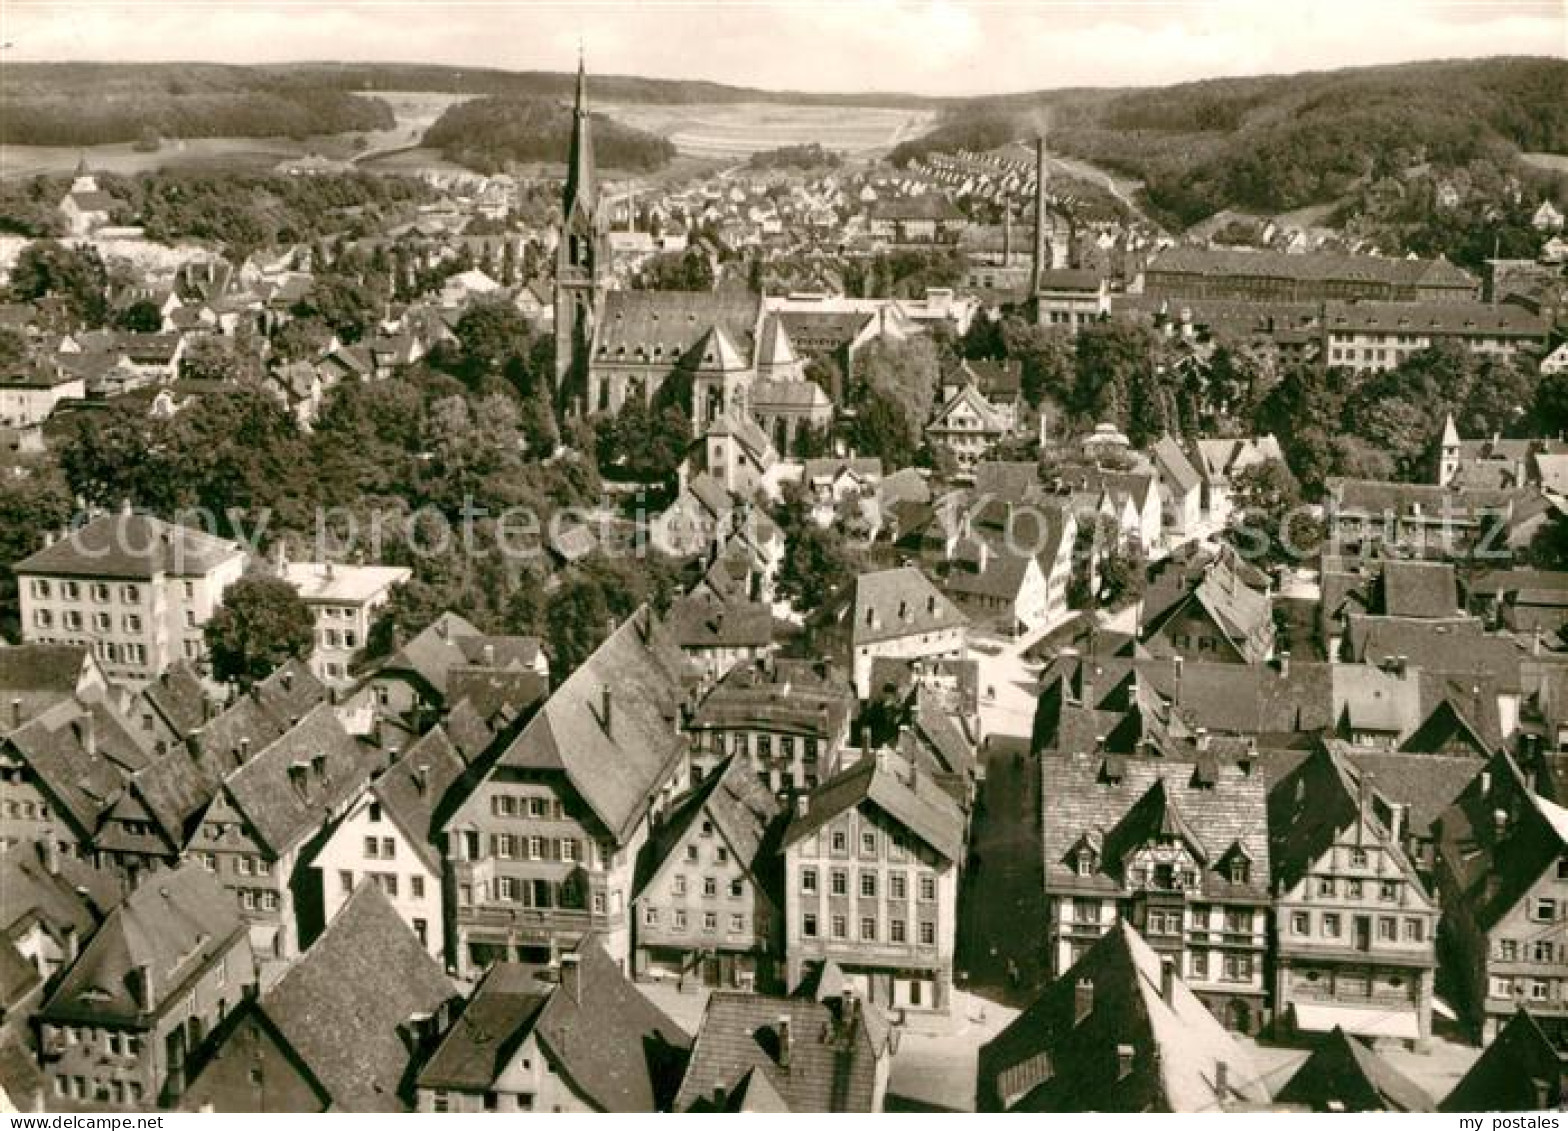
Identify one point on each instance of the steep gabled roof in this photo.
(1342, 1074)
(176, 924)
(616, 764)
(743, 812)
(412, 788)
(894, 603)
(340, 1006)
(831, 1064)
(903, 792)
(1051, 1059)
(134, 547)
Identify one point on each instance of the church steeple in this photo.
(580, 187)
(578, 254)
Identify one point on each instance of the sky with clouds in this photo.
(924, 46)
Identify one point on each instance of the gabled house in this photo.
(262, 826)
(587, 1040)
(1118, 1031)
(1179, 848)
(160, 974)
(871, 859)
(390, 838)
(1220, 462)
(718, 635)
(1503, 878)
(1356, 931)
(1181, 489)
(338, 1032)
(418, 678)
(967, 426)
(1220, 617)
(898, 612)
(708, 904)
(542, 849)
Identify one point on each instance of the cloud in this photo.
(927, 46)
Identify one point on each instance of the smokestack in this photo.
(1040, 175)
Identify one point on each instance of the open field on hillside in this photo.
(1557, 162)
(737, 130)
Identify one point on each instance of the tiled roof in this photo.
(1420, 589)
(82, 754)
(894, 603)
(498, 1017)
(346, 1037)
(1317, 265)
(131, 546)
(1527, 1057)
(29, 890)
(610, 1042)
(1119, 799)
(1457, 647)
(1050, 1059)
(743, 812)
(1174, 465)
(286, 790)
(1347, 1074)
(615, 767)
(663, 327)
(1466, 318)
(1494, 863)
(412, 788)
(178, 697)
(706, 622)
(173, 917)
(908, 795)
(831, 1064)
(792, 697)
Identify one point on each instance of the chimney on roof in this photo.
(49, 854)
(571, 976)
(1201, 736)
(802, 804)
(1486, 783)
(421, 780)
(1168, 981)
(318, 767)
(606, 707)
(138, 983)
(16, 713)
(1499, 821)
(784, 1041)
(1125, 1055)
(244, 754)
(489, 655)
(87, 733)
(1284, 663)
(1083, 1000)
(1221, 1081)
(286, 678)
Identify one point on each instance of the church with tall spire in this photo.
(580, 256)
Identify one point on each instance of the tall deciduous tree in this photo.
(261, 625)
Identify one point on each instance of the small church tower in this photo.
(578, 256)
(1448, 453)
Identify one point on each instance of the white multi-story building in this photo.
(344, 600)
(135, 589)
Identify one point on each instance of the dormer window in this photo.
(1084, 863)
(1240, 870)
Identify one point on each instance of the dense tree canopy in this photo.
(261, 625)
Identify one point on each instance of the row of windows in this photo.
(510, 846)
(761, 745)
(838, 927)
(1332, 927)
(539, 808)
(252, 899)
(27, 810)
(104, 1091)
(721, 854)
(101, 592)
(679, 917)
(380, 848)
(1538, 950)
(1230, 968)
(72, 621)
(117, 1043)
(1536, 989)
(710, 887)
(838, 884)
(333, 638)
(245, 863)
(1388, 891)
(386, 881)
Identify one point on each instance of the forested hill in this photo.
(486, 133)
(1277, 143)
(70, 104)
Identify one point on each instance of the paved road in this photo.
(1001, 908)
